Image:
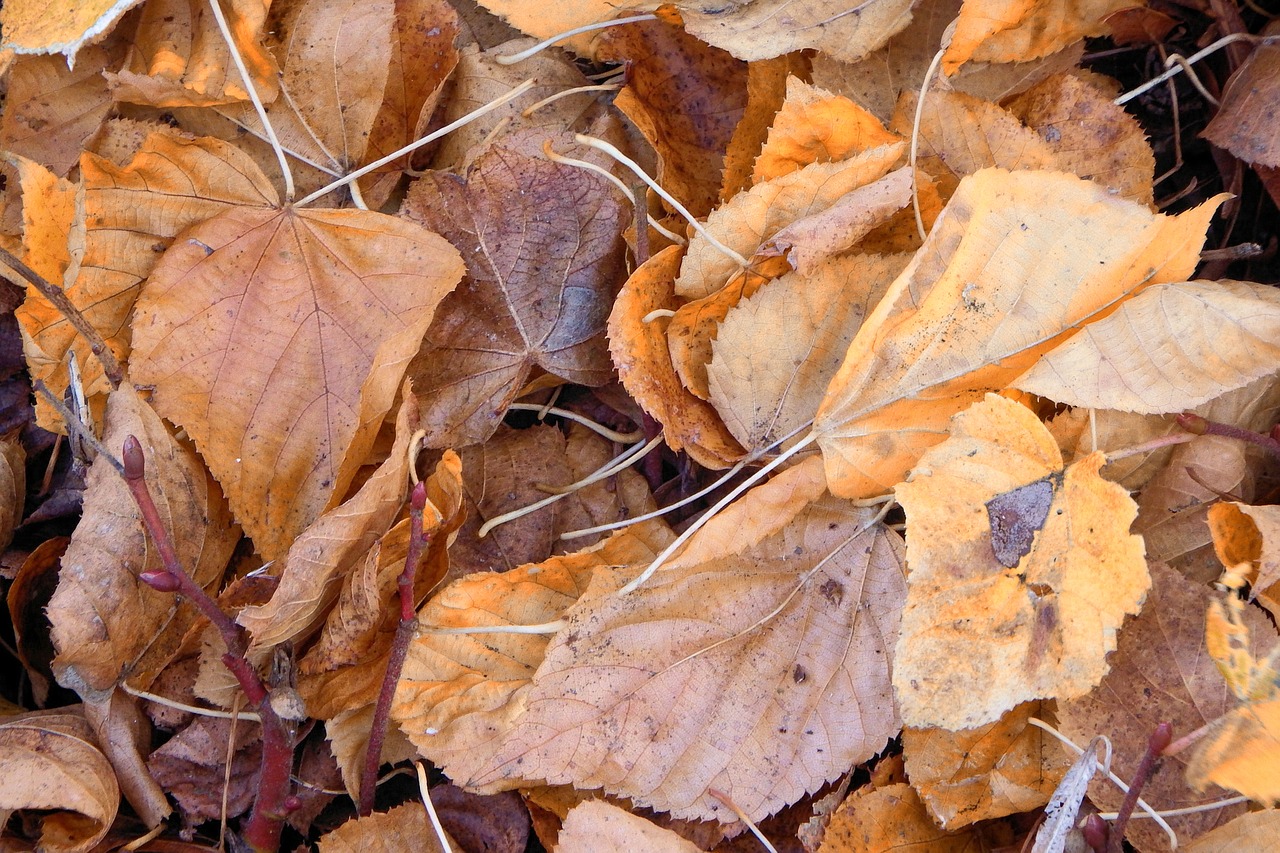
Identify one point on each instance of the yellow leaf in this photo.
(28, 26)
(404, 829)
(1002, 279)
(1021, 571)
(1242, 753)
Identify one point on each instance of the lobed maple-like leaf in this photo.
(1021, 571)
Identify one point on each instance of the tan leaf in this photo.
(666, 66)
(1159, 673)
(599, 827)
(761, 29)
(178, 56)
(1243, 124)
(49, 762)
(1011, 30)
(968, 315)
(663, 722)
(892, 818)
(751, 217)
(776, 352)
(544, 21)
(13, 486)
(766, 91)
(1079, 432)
(460, 693)
(257, 332)
(1260, 829)
(108, 625)
(1023, 599)
(996, 769)
(1169, 349)
(322, 553)
(543, 248)
(643, 359)
(1247, 534)
(29, 28)
(816, 126)
(404, 829)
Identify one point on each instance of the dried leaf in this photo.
(1260, 829)
(641, 354)
(1038, 629)
(967, 315)
(404, 829)
(892, 818)
(664, 723)
(544, 21)
(761, 29)
(1060, 814)
(1245, 122)
(13, 486)
(108, 625)
(192, 767)
(1010, 30)
(542, 243)
(49, 762)
(1247, 534)
(29, 28)
(599, 826)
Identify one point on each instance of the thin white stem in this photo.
(711, 513)
(614, 466)
(306, 125)
(544, 628)
(413, 146)
(616, 181)
(301, 158)
(253, 96)
(915, 143)
(627, 522)
(612, 435)
(424, 789)
(601, 145)
(1205, 807)
(742, 816)
(657, 313)
(543, 45)
(190, 709)
(551, 99)
(1179, 67)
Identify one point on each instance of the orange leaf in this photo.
(29, 27)
(404, 829)
(875, 820)
(1016, 30)
(1023, 600)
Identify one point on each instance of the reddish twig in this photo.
(1096, 833)
(262, 832)
(1159, 739)
(1193, 423)
(399, 649)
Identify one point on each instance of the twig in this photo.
(58, 297)
(274, 800)
(399, 648)
(75, 426)
(1146, 767)
(1197, 425)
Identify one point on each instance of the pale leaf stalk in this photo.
(599, 429)
(613, 179)
(424, 790)
(1180, 64)
(915, 143)
(576, 31)
(576, 90)
(601, 145)
(416, 144)
(543, 628)
(742, 816)
(258, 106)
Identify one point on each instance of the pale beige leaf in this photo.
(1002, 278)
(404, 829)
(50, 762)
(600, 827)
(776, 352)
(348, 736)
(1169, 349)
(761, 674)
(1260, 829)
(1021, 571)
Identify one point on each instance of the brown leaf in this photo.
(496, 823)
(776, 352)
(667, 702)
(997, 769)
(257, 332)
(29, 27)
(685, 98)
(49, 762)
(967, 315)
(108, 625)
(640, 352)
(1248, 534)
(178, 56)
(1159, 673)
(1260, 829)
(1245, 123)
(760, 29)
(542, 243)
(599, 826)
(404, 829)
(893, 818)
(1040, 628)
(13, 486)
(191, 767)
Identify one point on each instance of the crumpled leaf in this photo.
(1010, 30)
(191, 766)
(668, 703)
(641, 354)
(1169, 349)
(258, 331)
(766, 385)
(1261, 827)
(1037, 626)
(968, 315)
(761, 29)
(892, 817)
(996, 769)
(667, 66)
(178, 56)
(597, 825)
(404, 829)
(1159, 673)
(28, 27)
(543, 248)
(1060, 814)
(106, 624)
(50, 762)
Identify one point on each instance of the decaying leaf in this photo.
(1039, 629)
(892, 818)
(29, 28)
(404, 829)
(1245, 123)
(1011, 30)
(597, 825)
(1248, 534)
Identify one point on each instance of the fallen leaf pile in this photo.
(962, 419)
